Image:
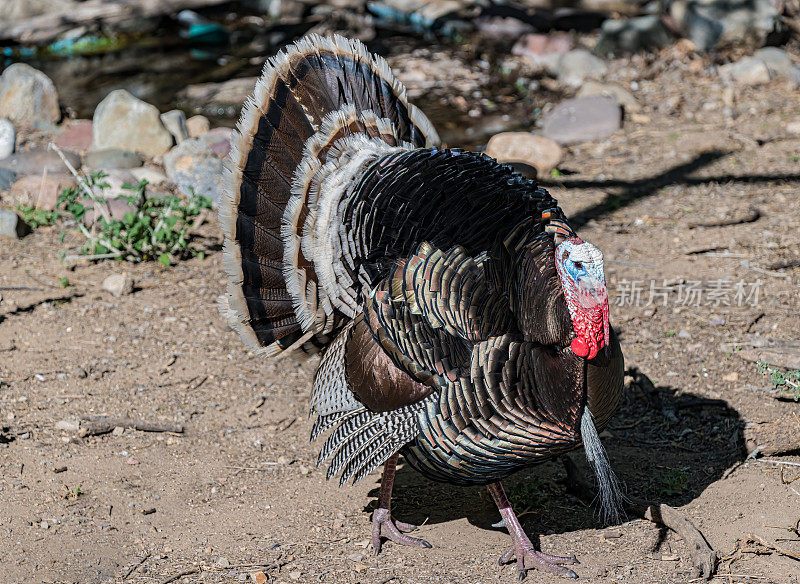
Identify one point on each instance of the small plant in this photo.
(72, 493)
(64, 282)
(36, 217)
(674, 482)
(156, 228)
(555, 173)
(528, 494)
(786, 383)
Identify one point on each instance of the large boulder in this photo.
(37, 162)
(122, 121)
(193, 166)
(28, 97)
(579, 64)
(77, 136)
(40, 191)
(715, 23)
(643, 33)
(12, 225)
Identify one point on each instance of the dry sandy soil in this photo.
(238, 492)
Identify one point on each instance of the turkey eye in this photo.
(578, 265)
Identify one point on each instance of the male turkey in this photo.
(461, 321)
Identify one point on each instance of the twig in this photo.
(81, 182)
(136, 566)
(754, 321)
(180, 575)
(773, 461)
(752, 216)
(98, 425)
(97, 256)
(770, 546)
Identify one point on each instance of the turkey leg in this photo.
(382, 523)
(522, 548)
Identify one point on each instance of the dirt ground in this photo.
(238, 493)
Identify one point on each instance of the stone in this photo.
(632, 35)
(7, 178)
(541, 153)
(218, 141)
(125, 122)
(114, 194)
(77, 136)
(113, 158)
(713, 24)
(791, 128)
(579, 64)
(746, 71)
(175, 122)
(67, 426)
(192, 165)
(778, 63)
(502, 28)
(28, 98)
(118, 284)
(12, 225)
(41, 192)
(15, 10)
(196, 126)
(624, 97)
(38, 161)
(542, 50)
(582, 119)
(8, 138)
(151, 175)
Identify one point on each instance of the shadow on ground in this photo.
(665, 446)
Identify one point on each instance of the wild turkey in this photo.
(461, 320)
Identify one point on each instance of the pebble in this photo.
(67, 426)
(746, 71)
(541, 50)
(41, 192)
(582, 119)
(295, 575)
(28, 97)
(8, 138)
(118, 285)
(196, 126)
(175, 122)
(77, 137)
(12, 225)
(128, 123)
(37, 161)
(717, 321)
(259, 577)
(223, 562)
(7, 178)
(791, 128)
(778, 63)
(113, 158)
(152, 175)
(541, 153)
(611, 534)
(501, 28)
(684, 334)
(624, 97)
(192, 165)
(59, 469)
(579, 64)
(633, 35)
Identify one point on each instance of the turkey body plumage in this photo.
(433, 281)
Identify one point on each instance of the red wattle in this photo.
(579, 347)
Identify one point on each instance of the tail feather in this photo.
(310, 99)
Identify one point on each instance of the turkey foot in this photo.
(384, 526)
(522, 548)
(382, 523)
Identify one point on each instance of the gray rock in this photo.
(118, 284)
(746, 71)
(175, 122)
(582, 119)
(7, 178)
(28, 97)
(8, 138)
(12, 225)
(192, 165)
(67, 425)
(778, 63)
(542, 51)
(122, 121)
(643, 33)
(714, 23)
(623, 96)
(37, 161)
(541, 153)
(113, 158)
(579, 64)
